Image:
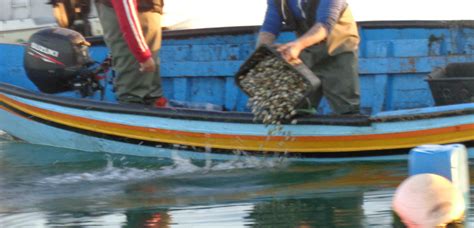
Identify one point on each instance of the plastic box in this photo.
(450, 161)
(302, 70)
(453, 84)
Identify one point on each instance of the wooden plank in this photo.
(231, 93)
(380, 92)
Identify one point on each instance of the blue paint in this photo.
(180, 86)
(377, 49)
(380, 89)
(231, 94)
(427, 110)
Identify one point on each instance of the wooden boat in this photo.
(199, 66)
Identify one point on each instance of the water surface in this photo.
(50, 187)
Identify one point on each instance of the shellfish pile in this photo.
(274, 90)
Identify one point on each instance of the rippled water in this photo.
(51, 187)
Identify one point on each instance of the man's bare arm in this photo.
(265, 38)
(314, 35)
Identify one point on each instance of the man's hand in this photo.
(148, 66)
(291, 52)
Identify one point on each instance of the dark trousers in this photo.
(131, 85)
(339, 78)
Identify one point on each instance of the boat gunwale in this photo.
(253, 29)
(228, 116)
(174, 113)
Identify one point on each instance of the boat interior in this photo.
(399, 69)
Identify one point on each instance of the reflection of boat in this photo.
(198, 66)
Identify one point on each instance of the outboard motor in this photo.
(57, 60)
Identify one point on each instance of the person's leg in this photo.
(131, 85)
(340, 80)
(123, 60)
(151, 27)
(312, 58)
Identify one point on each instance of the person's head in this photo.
(428, 200)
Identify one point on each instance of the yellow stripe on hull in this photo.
(296, 144)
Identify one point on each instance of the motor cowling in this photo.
(54, 57)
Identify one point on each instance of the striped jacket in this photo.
(126, 11)
(143, 5)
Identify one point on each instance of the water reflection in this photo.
(147, 218)
(324, 211)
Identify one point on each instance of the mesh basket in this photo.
(453, 84)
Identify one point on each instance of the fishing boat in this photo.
(399, 101)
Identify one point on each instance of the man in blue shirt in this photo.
(327, 42)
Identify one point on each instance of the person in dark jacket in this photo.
(327, 42)
(132, 31)
(73, 14)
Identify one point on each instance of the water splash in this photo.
(180, 166)
(108, 174)
(6, 137)
(245, 161)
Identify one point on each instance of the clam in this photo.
(275, 90)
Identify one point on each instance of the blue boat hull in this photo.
(199, 66)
